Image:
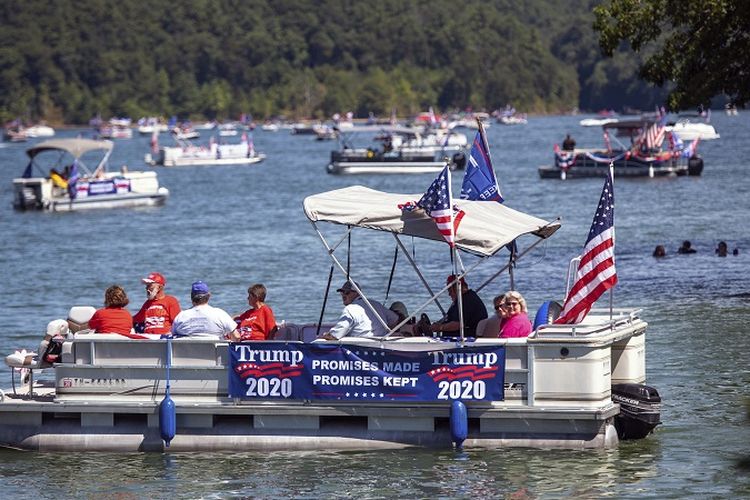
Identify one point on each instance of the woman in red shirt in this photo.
(113, 318)
(258, 322)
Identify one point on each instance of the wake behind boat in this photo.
(400, 150)
(66, 183)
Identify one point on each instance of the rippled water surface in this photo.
(233, 226)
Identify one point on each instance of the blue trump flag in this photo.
(480, 182)
(27, 173)
(73, 180)
(270, 370)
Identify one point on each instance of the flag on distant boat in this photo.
(27, 173)
(564, 159)
(480, 182)
(596, 270)
(437, 202)
(653, 136)
(73, 180)
(690, 150)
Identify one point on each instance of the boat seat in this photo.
(488, 327)
(78, 318)
(25, 362)
(287, 331)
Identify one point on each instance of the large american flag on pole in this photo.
(436, 201)
(596, 270)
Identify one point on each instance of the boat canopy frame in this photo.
(365, 208)
(76, 148)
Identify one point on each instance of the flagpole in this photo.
(454, 258)
(611, 290)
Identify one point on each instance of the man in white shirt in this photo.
(203, 320)
(357, 319)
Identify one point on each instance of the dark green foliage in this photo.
(68, 61)
(701, 46)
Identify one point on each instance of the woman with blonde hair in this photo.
(517, 322)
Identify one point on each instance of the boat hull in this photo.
(42, 194)
(632, 167)
(207, 162)
(107, 389)
(384, 167)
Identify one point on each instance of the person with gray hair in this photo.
(203, 320)
(517, 323)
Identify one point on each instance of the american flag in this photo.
(437, 203)
(596, 270)
(653, 136)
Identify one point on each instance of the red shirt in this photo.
(256, 324)
(111, 320)
(157, 315)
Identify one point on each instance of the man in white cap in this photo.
(159, 310)
(357, 319)
(203, 320)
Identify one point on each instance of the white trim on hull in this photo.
(372, 167)
(207, 162)
(119, 201)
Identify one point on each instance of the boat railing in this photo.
(601, 324)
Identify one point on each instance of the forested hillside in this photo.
(67, 61)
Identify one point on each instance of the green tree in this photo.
(703, 47)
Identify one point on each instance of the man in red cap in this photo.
(159, 310)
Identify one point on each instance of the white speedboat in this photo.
(596, 122)
(185, 153)
(58, 179)
(565, 386)
(688, 129)
(40, 131)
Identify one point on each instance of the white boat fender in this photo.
(167, 413)
(459, 424)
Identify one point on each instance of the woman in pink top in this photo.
(517, 323)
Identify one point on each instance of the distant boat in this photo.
(189, 154)
(401, 150)
(116, 128)
(66, 183)
(688, 129)
(633, 160)
(596, 122)
(40, 131)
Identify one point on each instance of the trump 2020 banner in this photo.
(269, 370)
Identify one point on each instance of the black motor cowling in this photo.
(640, 410)
(458, 161)
(695, 165)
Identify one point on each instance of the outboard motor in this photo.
(695, 165)
(458, 161)
(640, 410)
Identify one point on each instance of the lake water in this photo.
(234, 226)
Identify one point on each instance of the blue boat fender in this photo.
(547, 314)
(167, 420)
(167, 411)
(459, 423)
